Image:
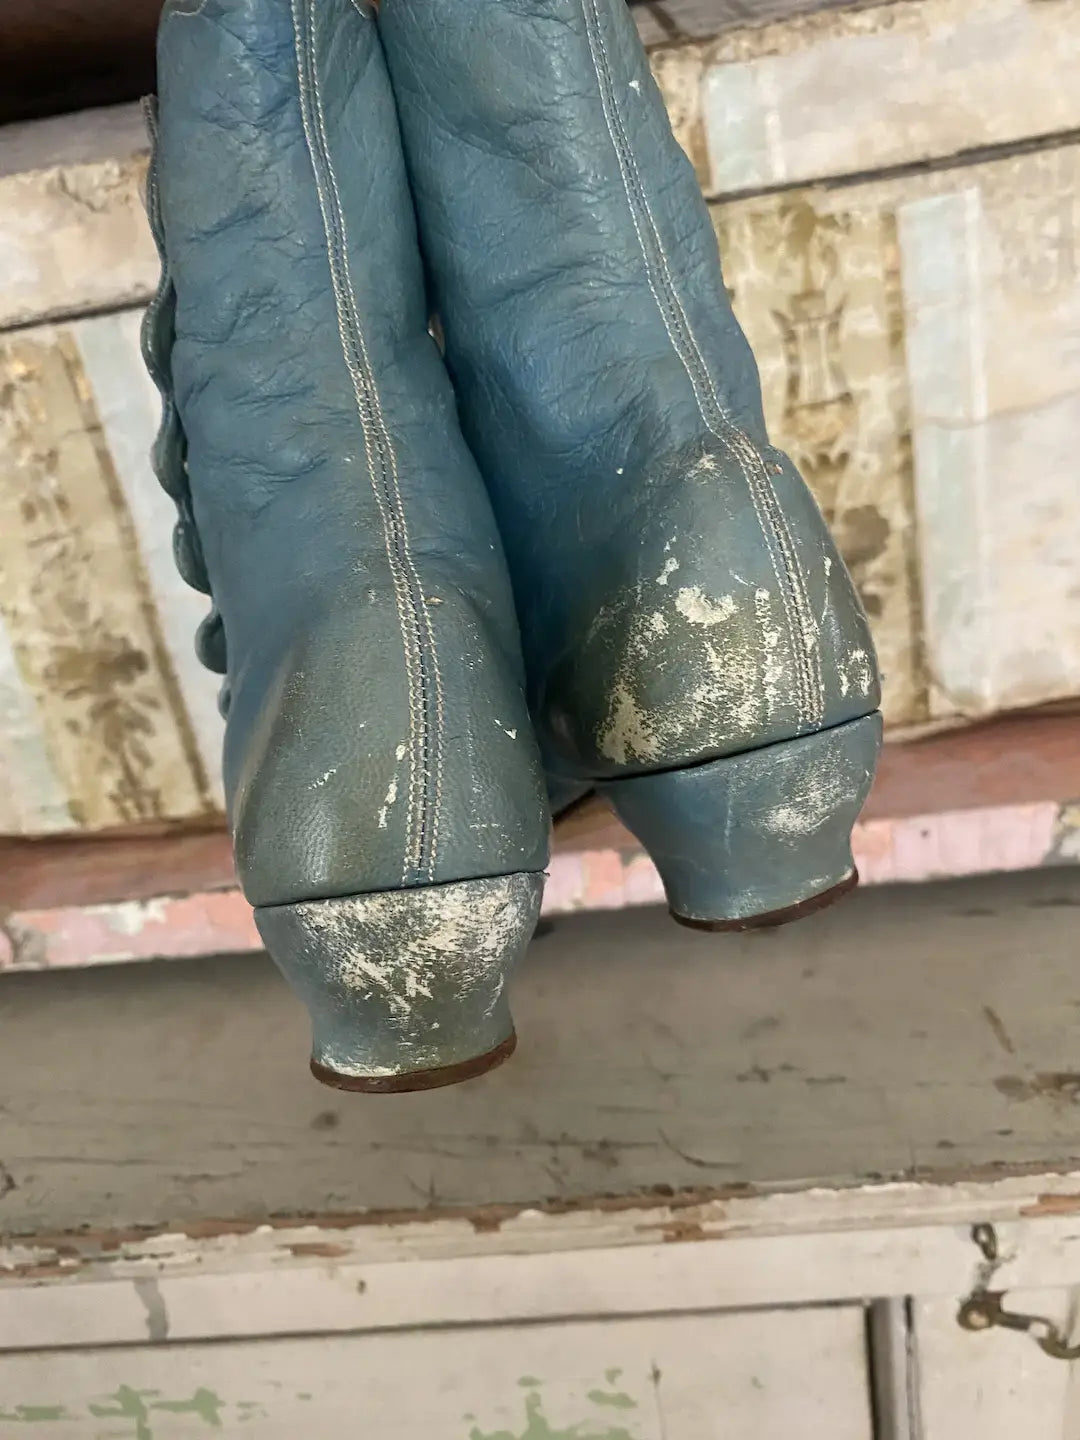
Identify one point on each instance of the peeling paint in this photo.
(129, 917)
(537, 1426)
(153, 1302)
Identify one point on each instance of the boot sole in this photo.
(775, 918)
(417, 1079)
(757, 839)
(407, 988)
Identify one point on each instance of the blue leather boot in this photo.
(385, 793)
(694, 644)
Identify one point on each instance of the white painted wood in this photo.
(858, 91)
(314, 1286)
(996, 1385)
(73, 231)
(748, 1377)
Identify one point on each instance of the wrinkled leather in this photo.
(679, 593)
(377, 733)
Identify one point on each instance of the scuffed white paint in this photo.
(670, 566)
(388, 803)
(131, 917)
(697, 607)
(772, 670)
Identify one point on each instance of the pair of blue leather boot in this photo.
(448, 593)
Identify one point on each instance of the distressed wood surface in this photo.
(73, 232)
(777, 1376)
(397, 1274)
(854, 91)
(895, 1036)
(667, 21)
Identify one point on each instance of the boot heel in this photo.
(759, 838)
(406, 988)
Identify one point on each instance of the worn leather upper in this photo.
(679, 593)
(377, 730)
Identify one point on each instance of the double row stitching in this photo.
(766, 504)
(425, 690)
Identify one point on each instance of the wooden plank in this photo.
(855, 91)
(73, 232)
(773, 1377)
(310, 1283)
(895, 1036)
(667, 21)
(313, 1286)
(996, 1385)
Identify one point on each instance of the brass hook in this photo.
(985, 1309)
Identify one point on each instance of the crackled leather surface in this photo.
(679, 593)
(377, 731)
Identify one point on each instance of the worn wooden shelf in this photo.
(999, 797)
(903, 1054)
(738, 1175)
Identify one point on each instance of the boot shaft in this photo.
(377, 734)
(680, 595)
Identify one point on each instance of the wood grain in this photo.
(894, 1037)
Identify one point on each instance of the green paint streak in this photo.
(304, 1395)
(129, 1406)
(203, 1403)
(35, 1414)
(530, 1382)
(137, 1404)
(611, 1376)
(617, 1399)
(537, 1427)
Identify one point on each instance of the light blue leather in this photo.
(377, 734)
(680, 596)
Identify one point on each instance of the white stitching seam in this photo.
(414, 621)
(761, 490)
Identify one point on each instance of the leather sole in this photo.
(418, 1079)
(775, 918)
